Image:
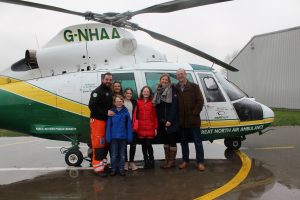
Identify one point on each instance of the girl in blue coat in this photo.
(118, 133)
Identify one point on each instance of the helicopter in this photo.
(47, 91)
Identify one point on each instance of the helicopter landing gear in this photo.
(73, 156)
(233, 143)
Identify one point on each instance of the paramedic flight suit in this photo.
(101, 101)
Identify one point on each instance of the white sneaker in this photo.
(126, 166)
(133, 167)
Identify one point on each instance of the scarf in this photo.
(163, 94)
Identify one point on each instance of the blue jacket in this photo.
(119, 126)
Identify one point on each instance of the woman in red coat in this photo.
(145, 123)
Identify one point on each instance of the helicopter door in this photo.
(89, 82)
(69, 99)
(218, 107)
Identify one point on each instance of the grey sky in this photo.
(218, 29)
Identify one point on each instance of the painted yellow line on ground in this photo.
(234, 182)
(272, 148)
(24, 142)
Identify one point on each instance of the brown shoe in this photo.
(201, 167)
(183, 165)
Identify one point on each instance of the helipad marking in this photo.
(234, 182)
(23, 142)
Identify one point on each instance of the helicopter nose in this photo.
(268, 112)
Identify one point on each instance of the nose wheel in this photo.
(233, 143)
(73, 158)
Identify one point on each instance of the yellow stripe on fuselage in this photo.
(34, 93)
(231, 123)
(7, 80)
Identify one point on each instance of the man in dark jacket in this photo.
(101, 101)
(190, 101)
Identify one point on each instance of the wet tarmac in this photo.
(33, 168)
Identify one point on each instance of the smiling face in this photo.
(164, 80)
(119, 102)
(181, 75)
(117, 88)
(128, 94)
(107, 80)
(146, 93)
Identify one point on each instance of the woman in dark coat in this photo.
(166, 103)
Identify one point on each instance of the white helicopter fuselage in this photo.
(47, 93)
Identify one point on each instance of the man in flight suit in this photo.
(101, 101)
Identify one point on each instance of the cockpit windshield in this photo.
(231, 89)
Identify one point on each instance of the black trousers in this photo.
(132, 149)
(168, 138)
(147, 148)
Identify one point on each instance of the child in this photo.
(130, 103)
(145, 117)
(118, 133)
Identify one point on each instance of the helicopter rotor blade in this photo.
(186, 47)
(175, 5)
(43, 6)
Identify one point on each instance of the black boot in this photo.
(146, 164)
(151, 163)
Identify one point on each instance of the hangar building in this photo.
(269, 68)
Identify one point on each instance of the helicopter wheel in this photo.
(74, 158)
(226, 142)
(233, 143)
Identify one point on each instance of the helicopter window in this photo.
(232, 90)
(152, 78)
(211, 89)
(20, 66)
(210, 83)
(127, 80)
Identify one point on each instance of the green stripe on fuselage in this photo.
(27, 116)
(24, 115)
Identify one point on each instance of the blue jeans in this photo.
(197, 139)
(117, 156)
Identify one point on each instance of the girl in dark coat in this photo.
(166, 103)
(145, 116)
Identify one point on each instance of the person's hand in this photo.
(155, 132)
(168, 124)
(110, 113)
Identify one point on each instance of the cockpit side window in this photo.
(152, 78)
(211, 88)
(232, 90)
